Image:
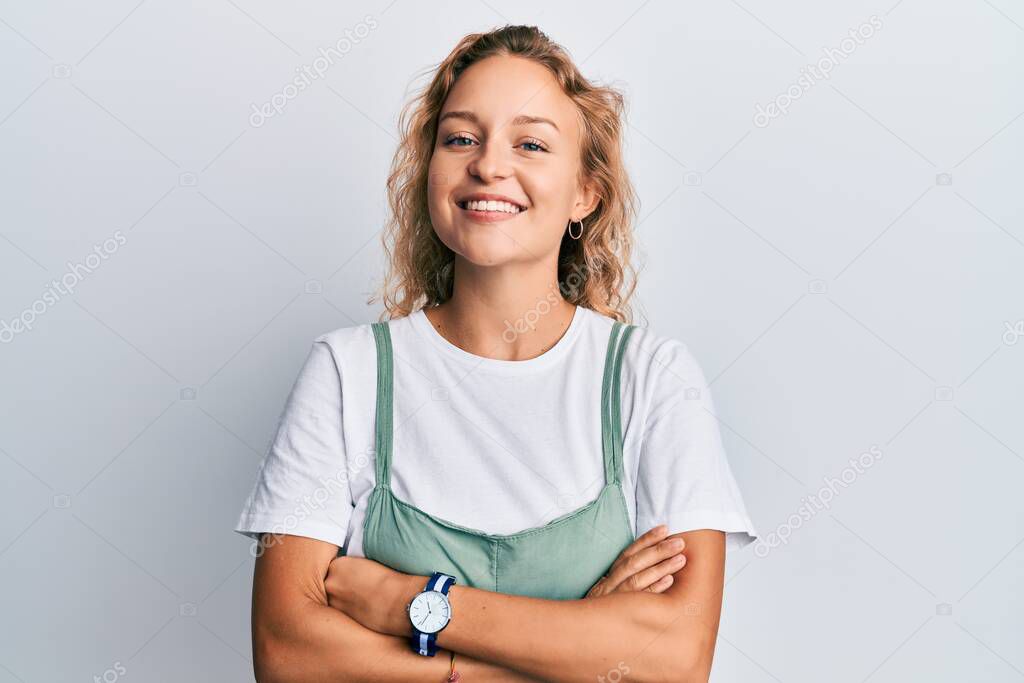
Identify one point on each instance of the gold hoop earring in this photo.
(575, 237)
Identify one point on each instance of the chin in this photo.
(484, 245)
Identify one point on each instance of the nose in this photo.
(491, 162)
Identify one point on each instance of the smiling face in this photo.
(506, 131)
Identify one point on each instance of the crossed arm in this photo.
(352, 626)
(298, 638)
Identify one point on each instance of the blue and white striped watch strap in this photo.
(440, 582)
(426, 643)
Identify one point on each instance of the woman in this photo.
(504, 435)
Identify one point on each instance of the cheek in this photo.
(440, 178)
(448, 160)
(441, 212)
(550, 187)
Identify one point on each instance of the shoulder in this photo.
(352, 345)
(355, 337)
(342, 339)
(663, 378)
(655, 360)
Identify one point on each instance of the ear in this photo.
(587, 200)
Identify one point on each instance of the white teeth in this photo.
(492, 206)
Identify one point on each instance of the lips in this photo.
(485, 216)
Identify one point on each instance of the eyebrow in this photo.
(520, 120)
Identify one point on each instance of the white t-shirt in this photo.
(494, 445)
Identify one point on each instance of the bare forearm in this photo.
(317, 643)
(572, 640)
(321, 644)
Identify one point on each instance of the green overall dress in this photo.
(560, 560)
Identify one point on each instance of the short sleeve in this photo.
(684, 479)
(302, 487)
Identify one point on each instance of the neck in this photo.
(517, 326)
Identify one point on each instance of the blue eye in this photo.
(450, 140)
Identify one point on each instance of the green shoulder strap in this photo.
(611, 409)
(385, 404)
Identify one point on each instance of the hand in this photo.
(646, 565)
(371, 593)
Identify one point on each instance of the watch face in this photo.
(430, 611)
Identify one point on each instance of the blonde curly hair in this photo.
(592, 270)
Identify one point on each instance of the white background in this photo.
(845, 275)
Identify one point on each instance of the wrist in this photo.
(403, 590)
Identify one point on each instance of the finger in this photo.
(626, 567)
(645, 540)
(650, 577)
(601, 587)
(661, 585)
(637, 559)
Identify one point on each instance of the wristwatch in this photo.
(429, 612)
